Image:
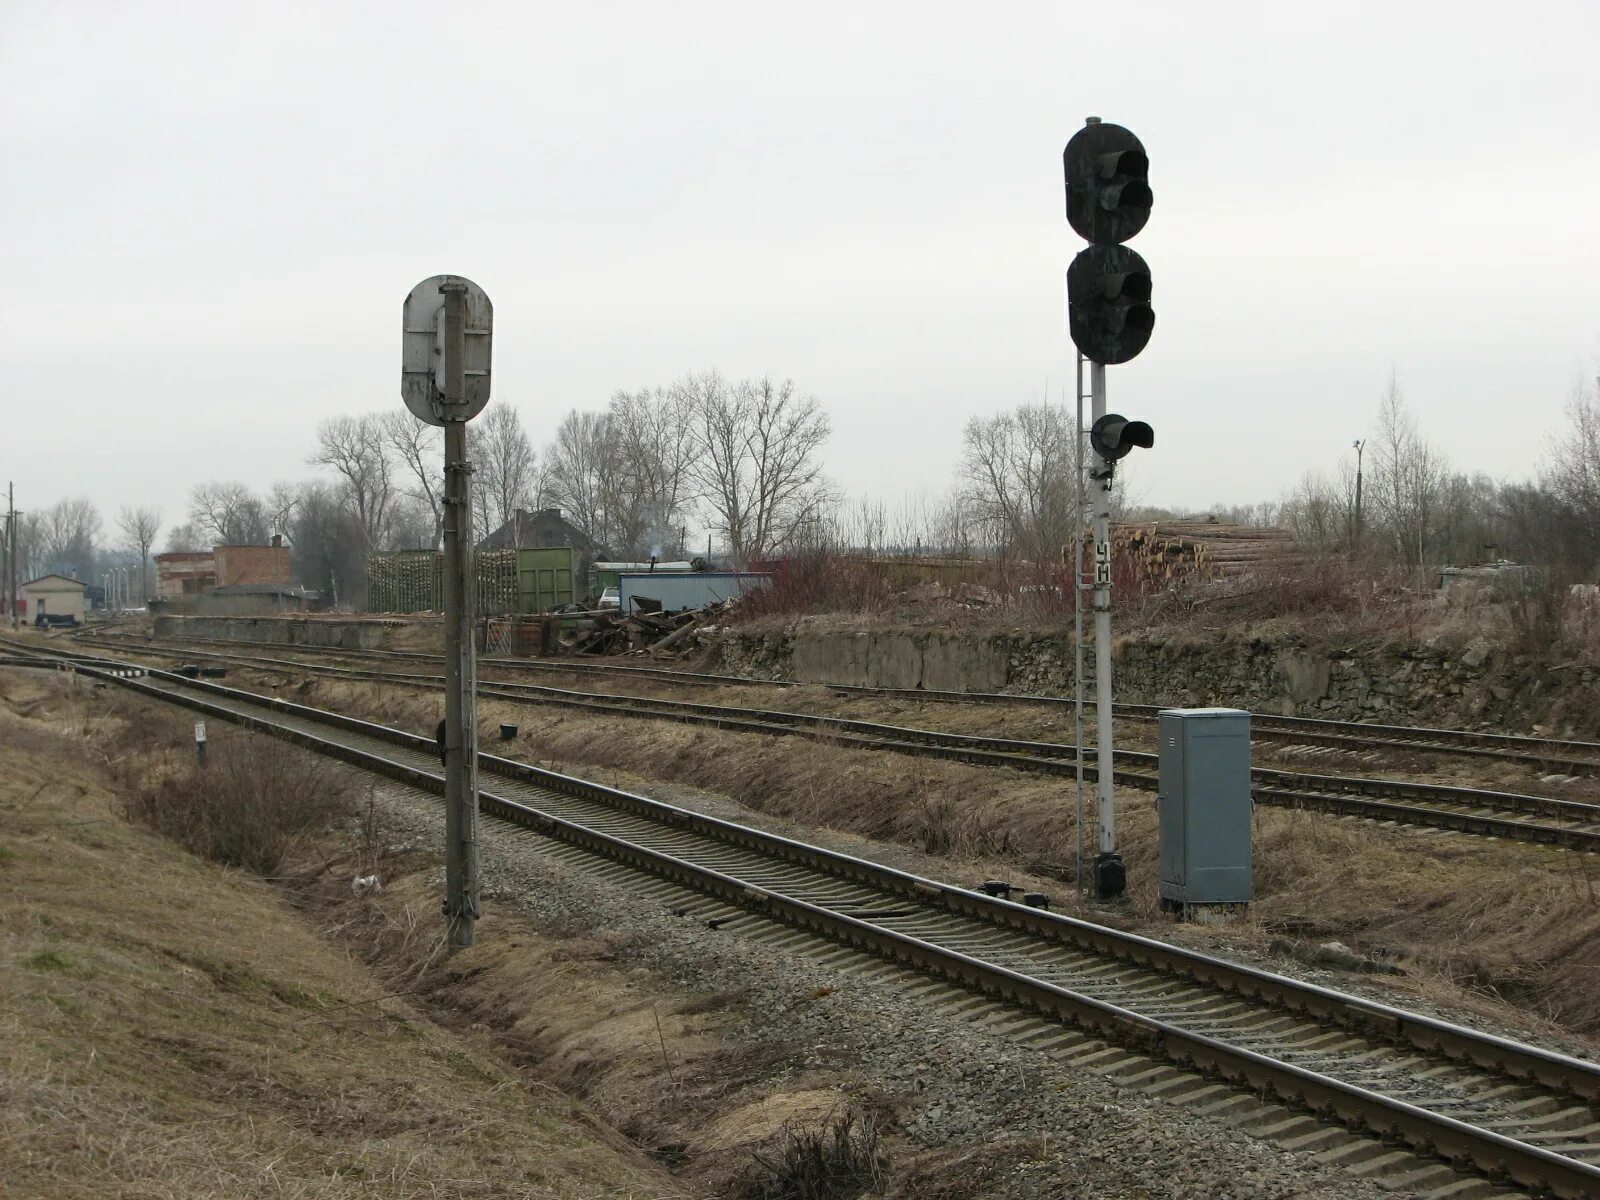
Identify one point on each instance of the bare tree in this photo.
(329, 551)
(140, 526)
(650, 440)
(1408, 479)
(355, 448)
(504, 461)
(578, 471)
(281, 502)
(756, 463)
(1315, 512)
(411, 525)
(29, 548)
(1018, 470)
(67, 535)
(228, 513)
(1571, 480)
(418, 450)
(185, 538)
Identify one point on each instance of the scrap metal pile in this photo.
(612, 632)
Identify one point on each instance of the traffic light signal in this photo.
(1108, 303)
(1113, 436)
(1108, 201)
(1108, 184)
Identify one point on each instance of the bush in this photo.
(252, 803)
(818, 581)
(838, 1160)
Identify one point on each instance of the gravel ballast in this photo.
(1056, 1130)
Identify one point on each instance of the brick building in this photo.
(199, 572)
(184, 573)
(238, 566)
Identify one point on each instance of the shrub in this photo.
(818, 581)
(252, 803)
(837, 1160)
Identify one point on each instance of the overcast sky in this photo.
(211, 213)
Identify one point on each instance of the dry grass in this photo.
(655, 1059)
(174, 1031)
(839, 1159)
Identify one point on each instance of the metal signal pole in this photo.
(1080, 505)
(1108, 870)
(461, 723)
(446, 326)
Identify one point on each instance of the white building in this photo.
(56, 596)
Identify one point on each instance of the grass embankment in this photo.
(1505, 930)
(175, 1030)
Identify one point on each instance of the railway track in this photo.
(1501, 1109)
(1487, 813)
(1553, 755)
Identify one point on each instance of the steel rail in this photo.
(1487, 1150)
(1439, 806)
(1552, 754)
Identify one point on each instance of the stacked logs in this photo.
(1165, 552)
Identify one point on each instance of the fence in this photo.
(413, 581)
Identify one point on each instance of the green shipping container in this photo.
(546, 578)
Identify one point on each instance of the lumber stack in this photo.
(1164, 552)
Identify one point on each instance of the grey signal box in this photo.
(1204, 807)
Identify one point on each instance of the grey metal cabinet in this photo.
(1204, 807)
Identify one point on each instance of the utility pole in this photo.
(11, 552)
(444, 380)
(1359, 444)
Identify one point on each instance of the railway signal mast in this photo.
(1110, 319)
(447, 324)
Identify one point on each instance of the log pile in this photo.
(1165, 552)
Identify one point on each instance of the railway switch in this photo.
(1204, 807)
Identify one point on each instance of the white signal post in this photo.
(1110, 319)
(1101, 477)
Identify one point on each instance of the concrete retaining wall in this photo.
(901, 660)
(1456, 686)
(277, 631)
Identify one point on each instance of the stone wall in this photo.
(1459, 687)
(276, 631)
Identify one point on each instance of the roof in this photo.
(546, 528)
(63, 578)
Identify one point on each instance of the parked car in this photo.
(611, 598)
